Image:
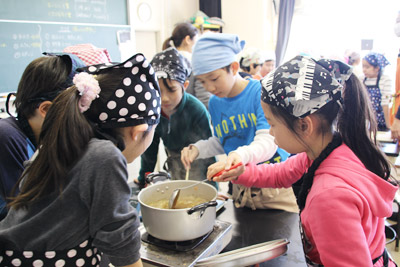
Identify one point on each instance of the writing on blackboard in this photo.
(81, 9)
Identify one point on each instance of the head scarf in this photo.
(251, 56)
(75, 63)
(89, 53)
(215, 51)
(136, 99)
(303, 85)
(376, 60)
(269, 55)
(170, 64)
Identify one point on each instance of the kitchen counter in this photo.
(257, 226)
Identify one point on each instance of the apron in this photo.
(307, 247)
(82, 255)
(375, 96)
(265, 198)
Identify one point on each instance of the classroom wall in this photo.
(150, 34)
(254, 21)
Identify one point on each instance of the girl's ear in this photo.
(187, 39)
(235, 67)
(306, 125)
(186, 84)
(136, 131)
(44, 107)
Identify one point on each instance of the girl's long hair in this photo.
(179, 33)
(63, 140)
(355, 122)
(43, 75)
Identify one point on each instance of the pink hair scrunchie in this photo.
(88, 88)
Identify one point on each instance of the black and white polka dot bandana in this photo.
(136, 99)
(303, 85)
(170, 64)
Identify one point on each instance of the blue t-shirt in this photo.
(236, 119)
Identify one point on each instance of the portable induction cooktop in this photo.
(156, 252)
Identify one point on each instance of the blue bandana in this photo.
(303, 85)
(377, 60)
(215, 51)
(70, 59)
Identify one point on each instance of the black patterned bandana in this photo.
(170, 64)
(303, 85)
(136, 99)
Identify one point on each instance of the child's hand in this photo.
(188, 155)
(227, 175)
(395, 129)
(233, 159)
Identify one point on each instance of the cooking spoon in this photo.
(175, 194)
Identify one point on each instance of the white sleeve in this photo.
(385, 85)
(261, 149)
(209, 148)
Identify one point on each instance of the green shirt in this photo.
(189, 124)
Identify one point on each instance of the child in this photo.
(184, 119)
(240, 129)
(43, 79)
(345, 194)
(353, 58)
(184, 36)
(250, 62)
(73, 200)
(379, 87)
(269, 63)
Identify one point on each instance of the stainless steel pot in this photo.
(178, 224)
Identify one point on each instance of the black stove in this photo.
(156, 252)
(175, 245)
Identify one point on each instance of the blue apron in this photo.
(375, 96)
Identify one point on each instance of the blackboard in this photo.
(81, 11)
(30, 27)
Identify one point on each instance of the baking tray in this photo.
(248, 255)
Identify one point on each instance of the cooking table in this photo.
(250, 227)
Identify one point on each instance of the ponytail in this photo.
(358, 127)
(167, 43)
(63, 139)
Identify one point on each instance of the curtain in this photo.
(286, 10)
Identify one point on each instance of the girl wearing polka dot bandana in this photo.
(73, 202)
(345, 190)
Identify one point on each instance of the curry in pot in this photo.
(183, 202)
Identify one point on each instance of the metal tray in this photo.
(248, 255)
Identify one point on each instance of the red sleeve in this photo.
(276, 175)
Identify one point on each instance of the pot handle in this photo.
(202, 207)
(155, 177)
